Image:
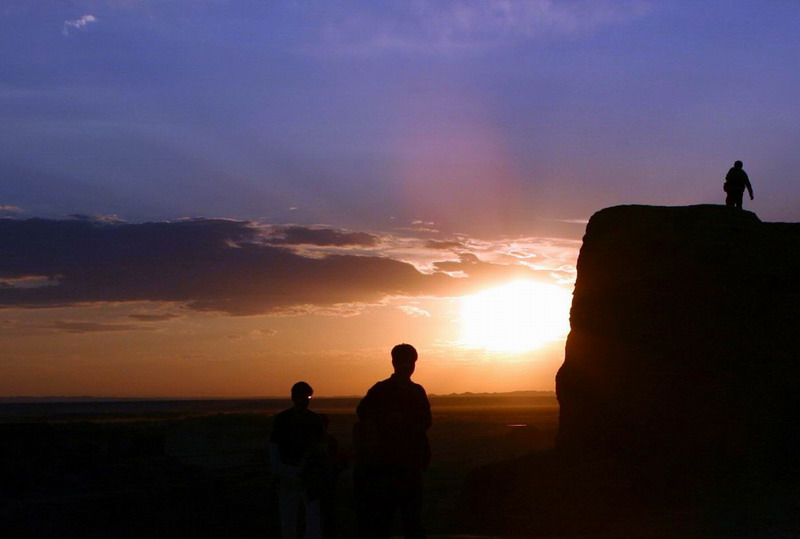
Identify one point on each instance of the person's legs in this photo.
(734, 199)
(313, 520)
(411, 507)
(290, 493)
(327, 506)
(361, 491)
(376, 501)
(384, 506)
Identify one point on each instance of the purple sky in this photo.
(483, 117)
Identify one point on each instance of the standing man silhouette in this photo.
(296, 446)
(392, 451)
(735, 182)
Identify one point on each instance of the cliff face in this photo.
(680, 390)
(684, 338)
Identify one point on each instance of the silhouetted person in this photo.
(735, 183)
(296, 446)
(333, 463)
(392, 451)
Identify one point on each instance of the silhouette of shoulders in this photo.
(295, 431)
(396, 393)
(394, 418)
(737, 177)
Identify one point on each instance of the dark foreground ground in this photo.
(200, 468)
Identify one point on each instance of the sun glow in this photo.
(519, 316)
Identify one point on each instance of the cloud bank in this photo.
(80, 327)
(216, 265)
(298, 235)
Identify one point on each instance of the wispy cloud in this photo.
(80, 23)
(8, 209)
(69, 326)
(163, 317)
(299, 235)
(29, 281)
(259, 333)
(445, 26)
(414, 312)
(253, 334)
(583, 221)
(98, 218)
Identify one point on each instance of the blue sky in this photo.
(501, 112)
(463, 144)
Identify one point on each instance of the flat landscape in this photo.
(200, 468)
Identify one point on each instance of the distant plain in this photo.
(199, 468)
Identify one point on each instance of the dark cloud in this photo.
(443, 245)
(211, 265)
(205, 264)
(66, 326)
(98, 218)
(471, 265)
(298, 235)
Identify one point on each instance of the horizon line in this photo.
(87, 398)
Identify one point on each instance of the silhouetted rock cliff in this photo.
(680, 390)
(684, 338)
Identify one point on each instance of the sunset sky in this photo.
(221, 198)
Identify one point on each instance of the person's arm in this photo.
(747, 184)
(275, 462)
(366, 407)
(425, 409)
(319, 449)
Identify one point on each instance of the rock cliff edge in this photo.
(680, 390)
(684, 337)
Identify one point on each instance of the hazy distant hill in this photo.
(86, 408)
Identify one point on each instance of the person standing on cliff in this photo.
(392, 451)
(735, 183)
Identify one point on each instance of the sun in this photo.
(515, 317)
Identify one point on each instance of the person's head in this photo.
(737, 164)
(404, 359)
(301, 394)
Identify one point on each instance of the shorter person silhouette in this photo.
(334, 462)
(392, 451)
(296, 449)
(735, 183)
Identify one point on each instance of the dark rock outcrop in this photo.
(684, 339)
(680, 391)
